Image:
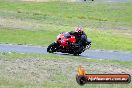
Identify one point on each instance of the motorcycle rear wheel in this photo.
(76, 54)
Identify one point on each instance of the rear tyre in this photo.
(76, 54)
(78, 51)
(52, 48)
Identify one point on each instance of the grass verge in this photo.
(53, 71)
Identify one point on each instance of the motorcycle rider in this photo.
(80, 36)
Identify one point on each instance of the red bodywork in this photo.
(64, 38)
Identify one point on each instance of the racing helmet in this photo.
(79, 30)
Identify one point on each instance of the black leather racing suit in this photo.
(81, 38)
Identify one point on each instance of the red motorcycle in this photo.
(65, 43)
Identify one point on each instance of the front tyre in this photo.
(52, 48)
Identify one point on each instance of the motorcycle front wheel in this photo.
(52, 48)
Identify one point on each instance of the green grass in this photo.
(40, 23)
(87, 14)
(27, 37)
(14, 56)
(62, 70)
(100, 40)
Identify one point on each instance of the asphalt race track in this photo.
(94, 54)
